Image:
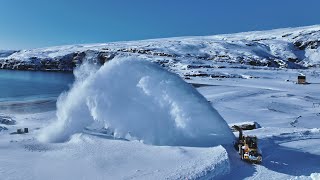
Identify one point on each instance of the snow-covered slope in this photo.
(6, 53)
(288, 48)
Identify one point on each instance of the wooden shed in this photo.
(302, 79)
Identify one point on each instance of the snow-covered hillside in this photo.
(6, 53)
(286, 48)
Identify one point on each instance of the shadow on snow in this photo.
(288, 160)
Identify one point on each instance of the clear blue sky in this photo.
(40, 23)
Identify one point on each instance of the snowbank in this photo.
(90, 157)
(139, 100)
(315, 176)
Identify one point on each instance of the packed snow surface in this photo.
(93, 157)
(136, 99)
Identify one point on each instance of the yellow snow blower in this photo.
(247, 146)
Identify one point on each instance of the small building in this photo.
(19, 131)
(22, 131)
(302, 79)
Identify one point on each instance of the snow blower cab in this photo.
(247, 146)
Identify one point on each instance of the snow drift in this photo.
(138, 100)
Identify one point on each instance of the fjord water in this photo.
(25, 91)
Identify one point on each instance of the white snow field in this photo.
(288, 113)
(98, 157)
(131, 119)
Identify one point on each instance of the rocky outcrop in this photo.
(307, 44)
(2, 128)
(60, 63)
(245, 126)
(6, 120)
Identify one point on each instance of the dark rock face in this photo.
(246, 126)
(273, 64)
(36, 64)
(7, 120)
(104, 57)
(3, 128)
(60, 63)
(308, 44)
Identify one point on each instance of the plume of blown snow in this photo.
(140, 100)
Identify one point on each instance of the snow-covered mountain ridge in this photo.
(283, 48)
